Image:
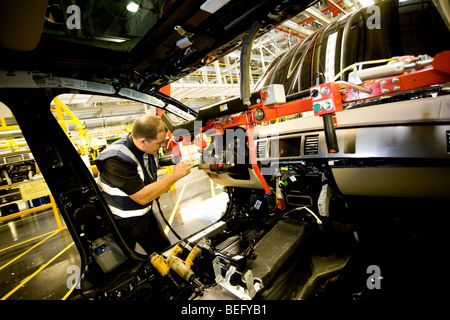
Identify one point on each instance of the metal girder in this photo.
(313, 12)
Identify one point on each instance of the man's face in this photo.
(152, 146)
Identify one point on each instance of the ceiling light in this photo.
(133, 6)
(366, 3)
(212, 6)
(111, 39)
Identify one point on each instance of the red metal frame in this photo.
(438, 73)
(254, 163)
(399, 84)
(383, 87)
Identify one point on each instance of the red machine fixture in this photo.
(328, 98)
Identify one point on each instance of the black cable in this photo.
(165, 220)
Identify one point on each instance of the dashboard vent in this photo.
(261, 149)
(311, 145)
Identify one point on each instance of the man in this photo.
(128, 181)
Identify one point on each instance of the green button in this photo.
(317, 107)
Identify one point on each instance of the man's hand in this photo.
(182, 169)
(156, 189)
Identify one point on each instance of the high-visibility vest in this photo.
(118, 201)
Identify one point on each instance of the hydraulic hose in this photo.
(330, 133)
(245, 62)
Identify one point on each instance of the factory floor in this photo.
(37, 260)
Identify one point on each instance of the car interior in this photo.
(356, 180)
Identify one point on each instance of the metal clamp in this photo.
(252, 285)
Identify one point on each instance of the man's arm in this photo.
(153, 190)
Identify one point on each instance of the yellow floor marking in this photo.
(36, 272)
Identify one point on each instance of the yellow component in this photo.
(160, 264)
(175, 251)
(12, 144)
(169, 170)
(178, 265)
(93, 146)
(93, 169)
(183, 268)
(190, 258)
(86, 143)
(4, 127)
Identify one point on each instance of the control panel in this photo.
(326, 98)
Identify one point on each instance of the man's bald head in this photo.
(147, 126)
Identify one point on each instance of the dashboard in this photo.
(408, 129)
(400, 149)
